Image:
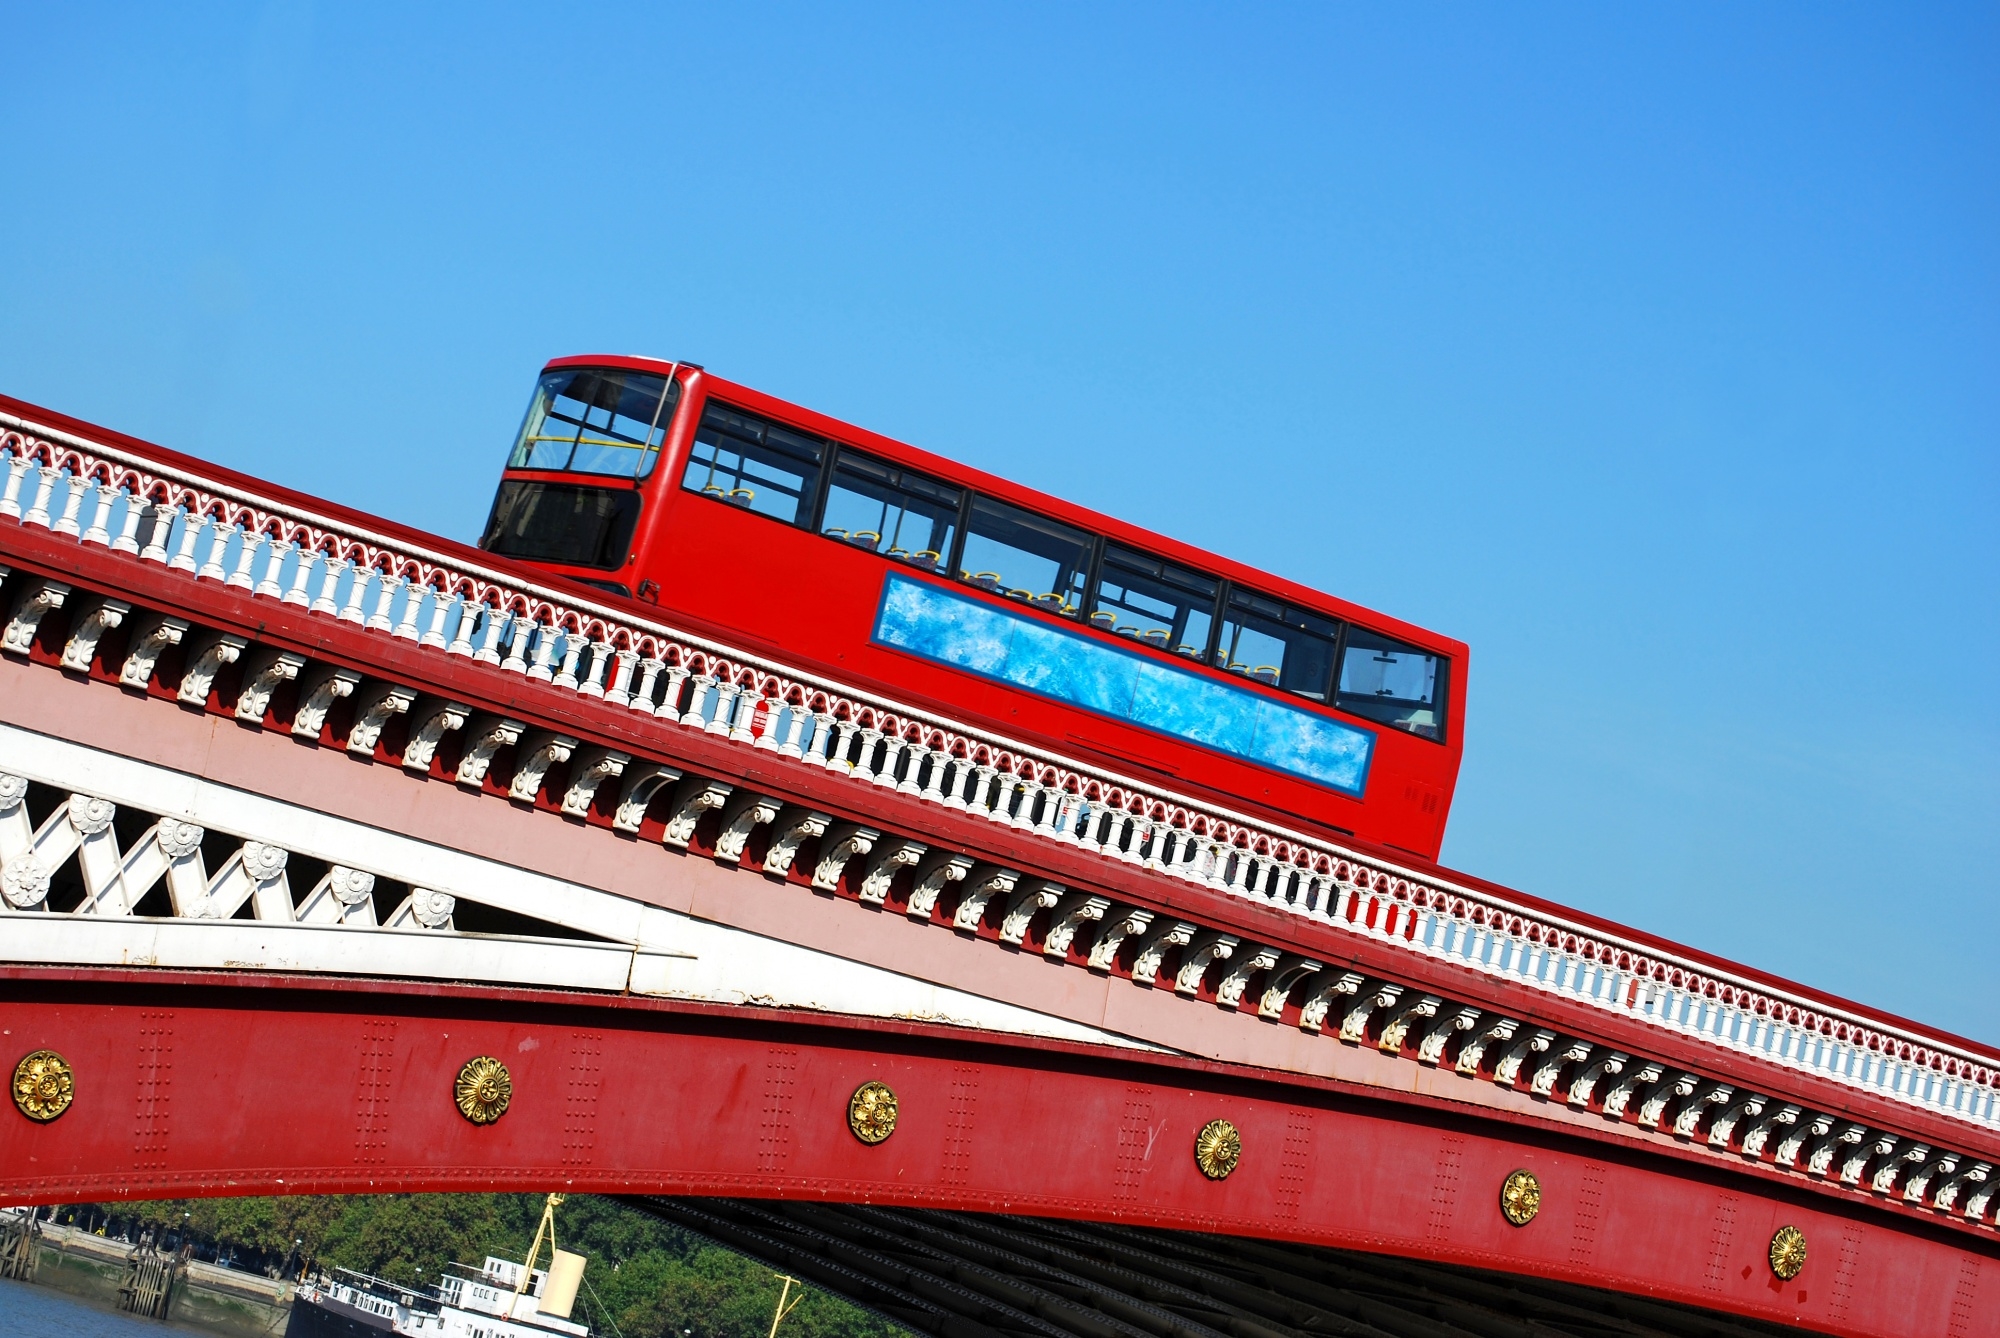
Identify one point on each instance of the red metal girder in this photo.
(233, 1085)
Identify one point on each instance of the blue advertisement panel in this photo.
(1069, 666)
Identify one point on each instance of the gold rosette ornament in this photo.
(483, 1089)
(1520, 1197)
(44, 1085)
(1217, 1148)
(1788, 1252)
(871, 1112)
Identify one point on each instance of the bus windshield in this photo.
(591, 420)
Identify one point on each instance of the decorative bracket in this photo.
(1153, 949)
(795, 826)
(743, 816)
(1354, 1026)
(695, 796)
(636, 795)
(1284, 978)
(1312, 1014)
(89, 630)
(1104, 952)
(40, 600)
(936, 873)
(270, 669)
(1204, 949)
(144, 650)
(204, 664)
(1236, 981)
(318, 697)
(842, 844)
(488, 739)
(596, 766)
(1022, 908)
(1071, 914)
(372, 711)
(889, 861)
(542, 751)
(985, 884)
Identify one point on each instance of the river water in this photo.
(41, 1312)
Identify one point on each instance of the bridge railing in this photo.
(174, 522)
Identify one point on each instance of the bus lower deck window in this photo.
(596, 421)
(1278, 645)
(1387, 681)
(1154, 603)
(756, 465)
(890, 511)
(1026, 557)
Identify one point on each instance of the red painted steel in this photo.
(219, 1085)
(784, 591)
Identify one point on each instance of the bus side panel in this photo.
(806, 598)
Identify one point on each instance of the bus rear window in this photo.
(754, 464)
(592, 420)
(562, 523)
(1398, 685)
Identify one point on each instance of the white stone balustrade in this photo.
(454, 604)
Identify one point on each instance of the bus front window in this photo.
(591, 420)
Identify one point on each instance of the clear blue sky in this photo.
(1652, 352)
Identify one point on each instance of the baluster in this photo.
(358, 578)
(45, 486)
(302, 571)
(413, 603)
(600, 665)
(695, 716)
(385, 597)
(280, 549)
(492, 621)
(519, 630)
(573, 644)
(894, 748)
(959, 796)
(727, 690)
(17, 469)
(670, 702)
(101, 495)
(440, 610)
(191, 523)
(619, 693)
(156, 536)
(1054, 819)
(934, 783)
(795, 728)
(840, 735)
(822, 735)
(742, 727)
(468, 619)
(649, 675)
(982, 775)
(864, 762)
(544, 666)
(72, 505)
(329, 583)
(219, 535)
(128, 528)
(246, 553)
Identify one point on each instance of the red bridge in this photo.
(340, 858)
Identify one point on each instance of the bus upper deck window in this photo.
(890, 511)
(1154, 602)
(591, 420)
(754, 464)
(1277, 644)
(1026, 557)
(1399, 685)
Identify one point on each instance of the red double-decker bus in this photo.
(825, 545)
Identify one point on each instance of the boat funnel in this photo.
(559, 1292)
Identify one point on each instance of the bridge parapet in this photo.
(259, 595)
